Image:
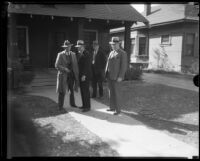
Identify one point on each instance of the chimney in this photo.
(147, 9)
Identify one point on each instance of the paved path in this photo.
(179, 82)
(124, 134)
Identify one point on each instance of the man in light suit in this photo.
(67, 66)
(115, 70)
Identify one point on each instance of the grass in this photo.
(172, 110)
(59, 134)
(173, 73)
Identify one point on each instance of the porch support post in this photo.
(80, 28)
(127, 40)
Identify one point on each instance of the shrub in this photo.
(14, 70)
(134, 72)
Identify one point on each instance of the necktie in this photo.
(94, 55)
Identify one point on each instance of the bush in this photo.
(14, 70)
(134, 72)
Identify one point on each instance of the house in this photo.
(170, 41)
(36, 32)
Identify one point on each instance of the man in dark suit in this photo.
(98, 68)
(115, 70)
(84, 63)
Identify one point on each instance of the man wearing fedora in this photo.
(67, 77)
(115, 70)
(84, 63)
(98, 68)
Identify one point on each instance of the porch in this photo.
(38, 31)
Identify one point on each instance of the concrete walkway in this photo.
(126, 135)
(170, 80)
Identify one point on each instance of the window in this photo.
(189, 44)
(165, 39)
(22, 41)
(142, 46)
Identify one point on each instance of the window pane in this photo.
(165, 39)
(190, 39)
(142, 45)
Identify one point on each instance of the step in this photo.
(44, 79)
(43, 84)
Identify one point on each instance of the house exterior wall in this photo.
(166, 57)
(174, 59)
(42, 30)
(41, 34)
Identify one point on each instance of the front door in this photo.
(89, 37)
(57, 41)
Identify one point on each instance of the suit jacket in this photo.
(116, 64)
(61, 63)
(100, 62)
(84, 63)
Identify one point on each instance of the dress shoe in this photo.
(110, 110)
(74, 106)
(86, 110)
(116, 113)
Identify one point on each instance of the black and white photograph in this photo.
(116, 80)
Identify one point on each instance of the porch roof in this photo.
(121, 12)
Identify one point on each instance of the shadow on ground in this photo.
(58, 133)
(171, 126)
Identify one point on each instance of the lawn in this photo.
(173, 110)
(58, 133)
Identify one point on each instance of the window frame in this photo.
(139, 46)
(165, 43)
(27, 38)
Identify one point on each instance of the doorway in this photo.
(55, 47)
(89, 37)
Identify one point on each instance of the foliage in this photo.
(134, 72)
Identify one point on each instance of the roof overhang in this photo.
(164, 23)
(119, 30)
(119, 12)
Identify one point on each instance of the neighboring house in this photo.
(170, 41)
(36, 32)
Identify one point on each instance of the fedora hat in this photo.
(79, 43)
(95, 42)
(66, 44)
(114, 40)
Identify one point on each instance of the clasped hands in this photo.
(83, 78)
(67, 70)
(119, 79)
